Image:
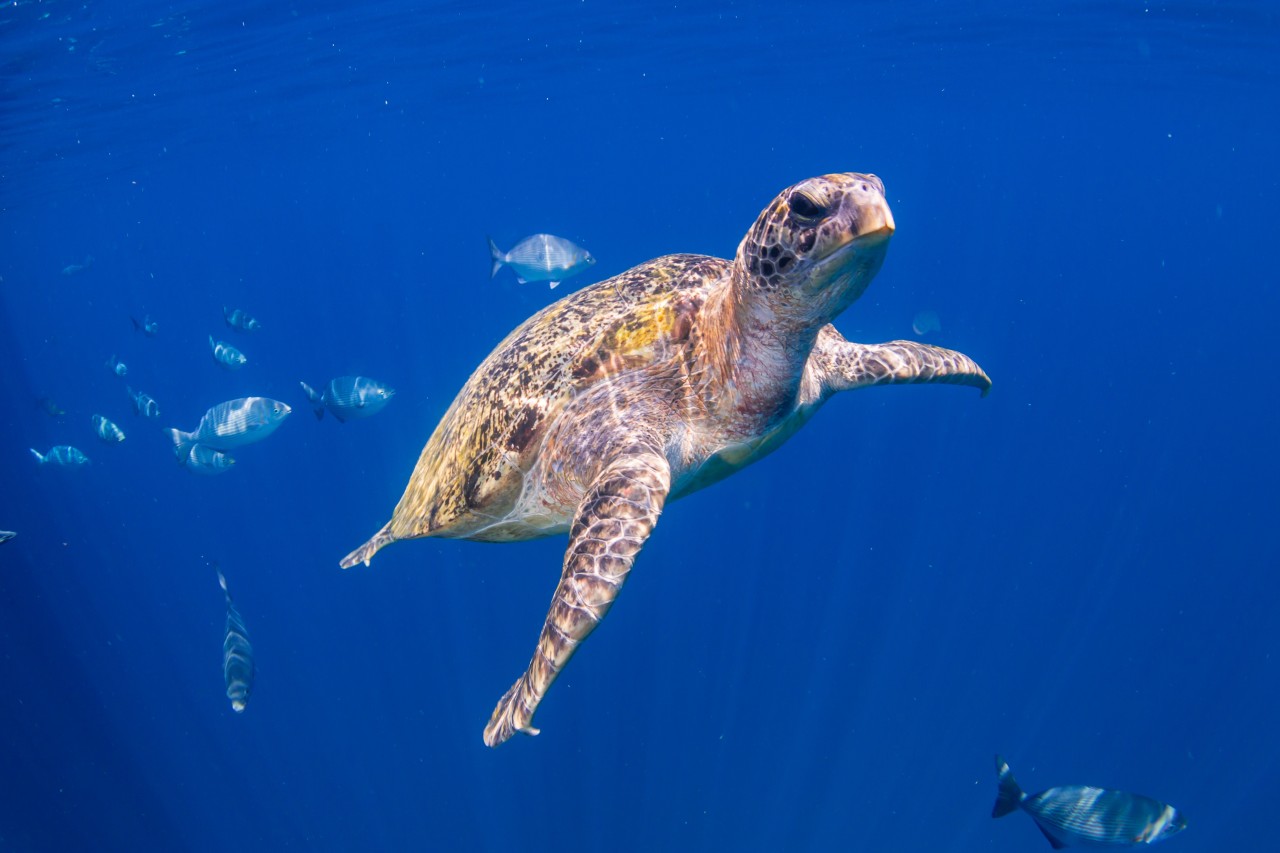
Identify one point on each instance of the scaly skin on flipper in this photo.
(635, 391)
(845, 365)
(616, 517)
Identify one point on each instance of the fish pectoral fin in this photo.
(520, 280)
(1053, 842)
(553, 284)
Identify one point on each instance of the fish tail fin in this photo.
(497, 256)
(1009, 797)
(365, 552)
(37, 454)
(222, 582)
(182, 442)
(212, 345)
(317, 402)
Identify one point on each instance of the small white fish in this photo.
(106, 430)
(207, 461)
(238, 319)
(146, 325)
(226, 355)
(350, 397)
(232, 424)
(72, 269)
(117, 366)
(143, 404)
(542, 257)
(6, 535)
(63, 455)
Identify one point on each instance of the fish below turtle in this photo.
(602, 407)
(1085, 816)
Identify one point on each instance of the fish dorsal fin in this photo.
(1053, 842)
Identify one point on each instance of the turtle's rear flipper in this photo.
(365, 552)
(612, 523)
(844, 365)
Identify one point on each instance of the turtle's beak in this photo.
(873, 221)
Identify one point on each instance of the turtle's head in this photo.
(816, 247)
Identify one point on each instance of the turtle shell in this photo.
(474, 465)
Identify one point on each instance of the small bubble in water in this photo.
(926, 322)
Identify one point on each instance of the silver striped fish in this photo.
(350, 397)
(542, 257)
(107, 430)
(62, 455)
(1083, 816)
(207, 461)
(237, 655)
(146, 325)
(143, 404)
(238, 319)
(232, 424)
(226, 355)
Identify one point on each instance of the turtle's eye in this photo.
(805, 207)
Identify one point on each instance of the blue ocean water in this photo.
(822, 652)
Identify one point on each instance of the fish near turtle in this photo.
(600, 408)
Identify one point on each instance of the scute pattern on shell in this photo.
(472, 469)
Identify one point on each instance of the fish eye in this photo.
(805, 207)
(276, 410)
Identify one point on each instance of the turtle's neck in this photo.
(755, 354)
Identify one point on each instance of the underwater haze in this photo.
(823, 652)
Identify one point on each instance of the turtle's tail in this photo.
(365, 552)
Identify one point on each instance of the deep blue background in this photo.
(822, 652)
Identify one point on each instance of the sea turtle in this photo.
(640, 389)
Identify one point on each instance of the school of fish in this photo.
(204, 450)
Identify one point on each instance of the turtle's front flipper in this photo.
(843, 365)
(612, 523)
